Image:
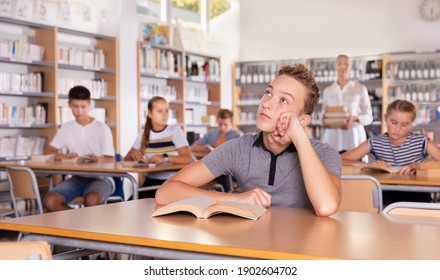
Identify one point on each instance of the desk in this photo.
(110, 169)
(281, 233)
(399, 182)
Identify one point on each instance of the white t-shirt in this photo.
(94, 138)
(166, 141)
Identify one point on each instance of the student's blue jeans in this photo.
(80, 186)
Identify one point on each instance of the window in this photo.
(218, 7)
(148, 8)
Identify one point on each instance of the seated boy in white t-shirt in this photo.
(82, 136)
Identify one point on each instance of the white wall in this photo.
(281, 29)
(128, 98)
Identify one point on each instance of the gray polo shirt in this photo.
(252, 165)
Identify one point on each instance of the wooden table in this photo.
(398, 182)
(110, 169)
(281, 233)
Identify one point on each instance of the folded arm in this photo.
(187, 182)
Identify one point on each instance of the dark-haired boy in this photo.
(82, 136)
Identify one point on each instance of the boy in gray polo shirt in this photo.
(280, 166)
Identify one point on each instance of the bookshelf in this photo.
(189, 81)
(251, 78)
(415, 77)
(35, 78)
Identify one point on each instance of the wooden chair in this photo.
(5, 199)
(417, 209)
(23, 184)
(26, 250)
(361, 193)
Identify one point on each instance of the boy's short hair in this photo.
(224, 114)
(300, 73)
(79, 93)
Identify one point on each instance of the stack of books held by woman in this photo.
(335, 116)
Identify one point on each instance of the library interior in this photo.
(112, 98)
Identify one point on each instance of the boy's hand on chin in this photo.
(287, 125)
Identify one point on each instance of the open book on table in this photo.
(204, 207)
(382, 167)
(79, 159)
(137, 164)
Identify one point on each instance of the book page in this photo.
(381, 167)
(85, 159)
(252, 212)
(195, 205)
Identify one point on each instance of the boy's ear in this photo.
(305, 120)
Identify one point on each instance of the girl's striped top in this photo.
(414, 149)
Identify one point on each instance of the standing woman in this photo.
(354, 96)
(159, 143)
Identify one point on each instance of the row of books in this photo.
(413, 70)
(361, 69)
(97, 87)
(250, 98)
(416, 92)
(20, 147)
(255, 73)
(93, 59)
(160, 62)
(322, 70)
(248, 118)
(64, 114)
(202, 69)
(18, 83)
(197, 94)
(22, 115)
(21, 50)
(149, 90)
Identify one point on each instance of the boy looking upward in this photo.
(280, 166)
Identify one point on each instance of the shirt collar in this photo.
(259, 143)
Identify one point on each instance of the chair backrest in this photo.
(417, 209)
(25, 250)
(23, 184)
(361, 193)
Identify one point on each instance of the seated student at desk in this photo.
(215, 137)
(397, 147)
(159, 143)
(221, 134)
(82, 136)
(280, 166)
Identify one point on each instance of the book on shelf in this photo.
(12, 147)
(382, 167)
(204, 207)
